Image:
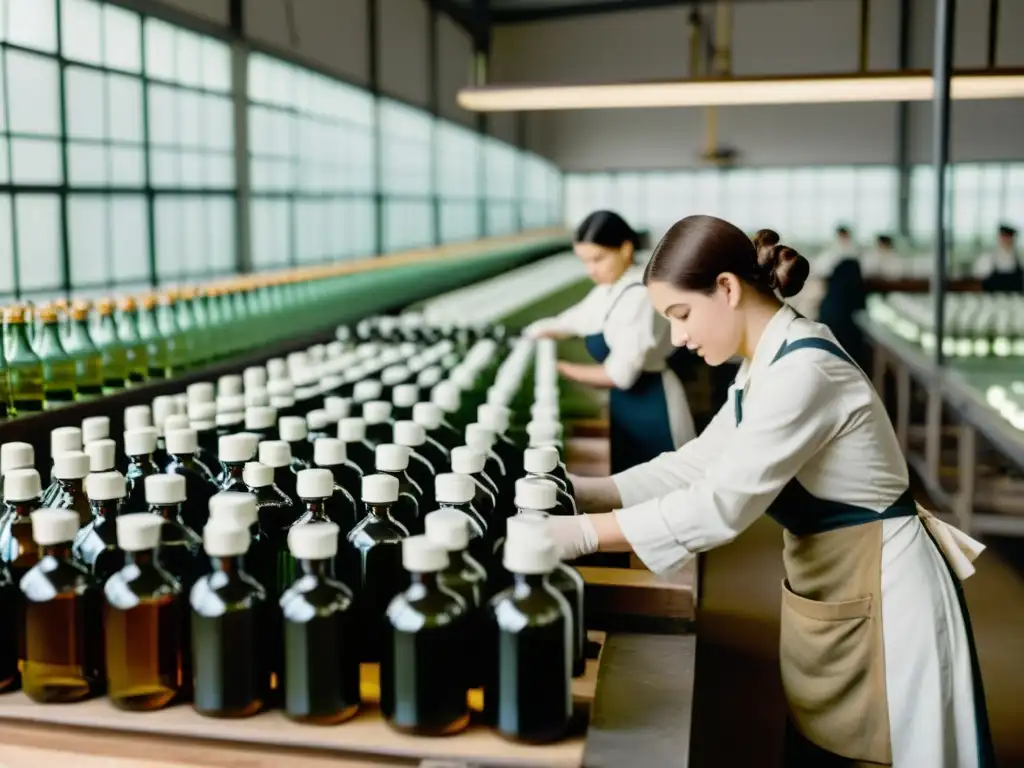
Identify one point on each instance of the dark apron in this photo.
(1005, 282)
(801, 513)
(639, 420)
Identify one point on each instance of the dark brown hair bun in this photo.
(785, 269)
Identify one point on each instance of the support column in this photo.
(240, 96)
(945, 14)
(373, 72)
(903, 129)
(434, 105)
(481, 75)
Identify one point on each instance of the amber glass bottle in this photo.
(144, 622)
(63, 657)
(95, 546)
(70, 470)
(17, 547)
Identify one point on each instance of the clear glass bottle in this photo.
(135, 347)
(139, 446)
(424, 675)
(62, 440)
(24, 369)
(70, 470)
(145, 622)
(112, 351)
(63, 657)
(156, 346)
(235, 451)
(95, 546)
(14, 456)
(321, 632)
(17, 547)
(174, 341)
(181, 548)
(81, 349)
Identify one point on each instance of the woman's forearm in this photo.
(596, 494)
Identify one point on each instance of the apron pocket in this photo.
(826, 652)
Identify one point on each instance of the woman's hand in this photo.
(581, 535)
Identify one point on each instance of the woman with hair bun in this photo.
(877, 654)
(628, 340)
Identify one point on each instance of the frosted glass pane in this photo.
(221, 234)
(164, 168)
(33, 24)
(218, 123)
(3, 109)
(130, 238)
(123, 32)
(6, 247)
(160, 51)
(85, 98)
(82, 25)
(127, 167)
(218, 171)
(216, 73)
(33, 94)
(5, 172)
(39, 241)
(271, 233)
(190, 126)
(259, 77)
(260, 176)
(163, 116)
(191, 165)
(87, 165)
(36, 161)
(193, 236)
(87, 238)
(124, 108)
(167, 215)
(189, 64)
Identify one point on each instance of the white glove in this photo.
(574, 536)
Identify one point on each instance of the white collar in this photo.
(772, 337)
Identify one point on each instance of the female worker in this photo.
(877, 655)
(630, 342)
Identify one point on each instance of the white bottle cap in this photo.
(163, 406)
(200, 392)
(314, 541)
(260, 417)
(391, 458)
(230, 404)
(229, 385)
(367, 390)
(541, 460)
(446, 396)
(73, 465)
(497, 418)
(405, 395)
(282, 402)
(497, 395)
(17, 456)
(275, 453)
(421, 555)
(254, 377)
(65, 439)
(466, 461)
(176, 421)
(318, 420)
(376, 412)
(230, 419)
(105, 486)
(102, 454)
(409, 433)
(53, 526)
(427, 415)
(181, 441)
(254, 441)
(532, 555)
(329, 451)
(394, 375)
(256, 397)
(202, 413)
(235, 449)
(257, 475)
(140, 442)
(181, 404)
(277, 368)
(22, 485)
(454, 488)
(536, 493)
(352, 429)
(464, 377)
(292, 429)
(137, 416)
(165, 490)
(314, 484)
(138, 531)
(338, 407)
(225, 540)
(448, 528)
(379, 489)
(95, 428)
(544, 431)
(479, 437)
(430, 377)
(233, 508)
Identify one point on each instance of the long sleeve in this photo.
(790, 414)
(580, 319)
(633, 333)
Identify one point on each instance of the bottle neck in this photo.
(234, 469)
(183, 458)
(142, 558)
(140, 461)
(381, 511)
(528, 582)
(426, 580)
(105, 508)
(108, 327)
(49, 339)
(230, 565)
(18, 342)
(168, 512)
(61, 551)
(321, 569)
(21, 508)
(130, 323)
(317, 510)
(78, 333)
(72, 485)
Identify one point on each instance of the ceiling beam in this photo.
(543, 11)
(457, 12)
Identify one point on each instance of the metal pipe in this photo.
(945, 15)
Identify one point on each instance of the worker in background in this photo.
(1001, 270)
(882, 262)
(878, 659)
(843, 247)
(629, 342)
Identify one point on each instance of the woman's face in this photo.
(604, 265)
(705, 323)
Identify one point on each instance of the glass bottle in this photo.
(466, 461)
(102, 455)
(192, 353)
(433, 451)
(14, 456)
(424, 675)
(235, 451)
(135, 348)
(181, 548)
(10, 606)
(393, 460)
(203, 419)
(139, 446)
(113, 357)
(352, 432)
(403, 399)
(379, 426)
(498, 419)
(373, 560)
(62, 440)
(63, 653)
(277, 454)
(323, 502)
(318, 423)
(200, 486)
(528, 687)
(95, 546)
(412, 437)
(321, 632)
(167, 325)
(24, 368)
(5, 383)
(156, 346)
(17, 547)
(456, 492)
(261, 420)
(229, 643)
(481, 439)
(329, 453)
(70, 470)
(81, 349)
(293, 430)
(145, 622)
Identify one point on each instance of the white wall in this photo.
(775, 37)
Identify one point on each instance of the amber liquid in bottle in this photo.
(10, 608)
(95, 546)
(146, 632)
(18, 550)
(63, 630)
